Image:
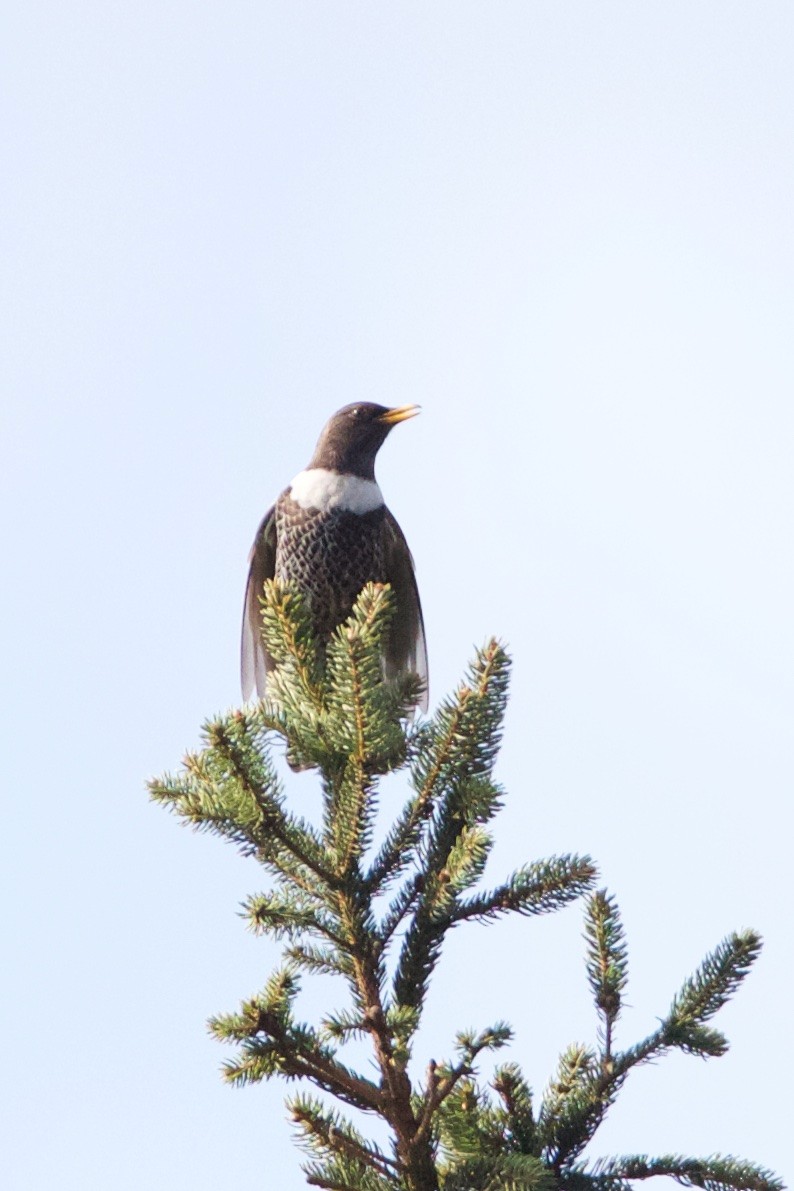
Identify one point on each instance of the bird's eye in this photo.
(355, 411)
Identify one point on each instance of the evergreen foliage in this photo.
(378, 919)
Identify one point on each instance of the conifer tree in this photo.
(377, 917)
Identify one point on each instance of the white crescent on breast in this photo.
(318, 488)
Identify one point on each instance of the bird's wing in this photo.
(255, 661)
(407, 649)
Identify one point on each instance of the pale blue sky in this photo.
(566, 230)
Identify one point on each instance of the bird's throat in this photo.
(318, 488)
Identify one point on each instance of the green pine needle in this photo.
(506, 1172)
(607, 960)
(717, 1173)
(534, 889)
(716, 980)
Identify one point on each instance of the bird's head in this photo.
(355, 434)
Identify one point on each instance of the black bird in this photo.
(331, 533)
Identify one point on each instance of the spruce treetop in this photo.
(377, 917)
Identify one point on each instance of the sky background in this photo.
(566, 230)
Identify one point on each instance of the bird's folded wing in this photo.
(255, 661)
(407, 649)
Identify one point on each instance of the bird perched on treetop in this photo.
(331, 533)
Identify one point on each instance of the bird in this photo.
(331, 533)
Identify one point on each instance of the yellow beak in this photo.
(400, 413)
